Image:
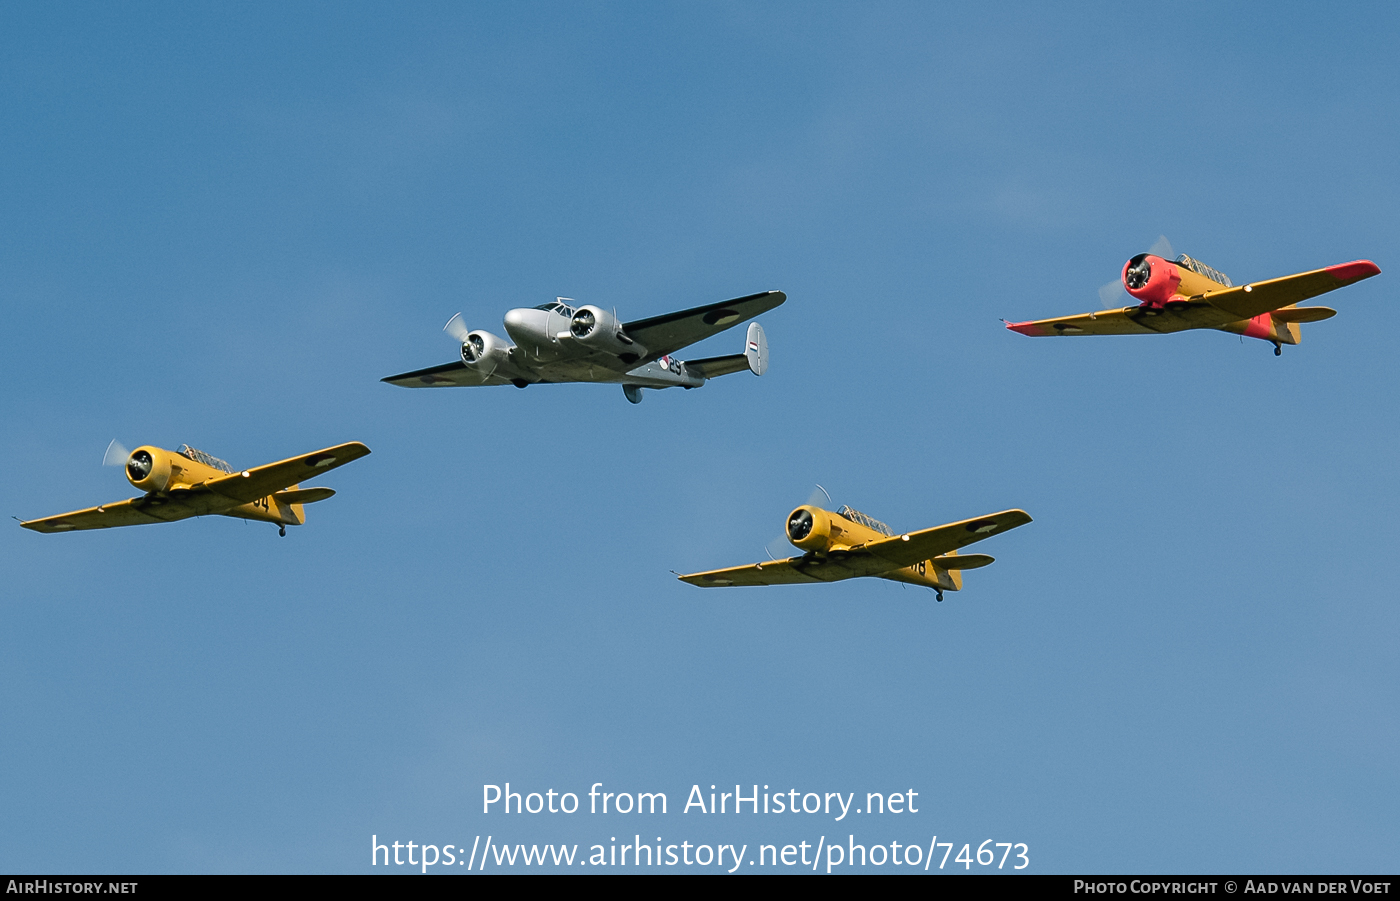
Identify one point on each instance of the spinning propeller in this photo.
(137, 467)
(781, 543)
(472, 346)
(1113, 295)
(116, 454)
(456, 328)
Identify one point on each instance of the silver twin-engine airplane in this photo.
(556, 342)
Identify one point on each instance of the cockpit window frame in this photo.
(199, 456)
(1200, 268)
(870, 522)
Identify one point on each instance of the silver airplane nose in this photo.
(526, 326)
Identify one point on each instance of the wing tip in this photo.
(1030, 329)
(1354, 271)
(48, 526)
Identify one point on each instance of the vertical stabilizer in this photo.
(756, 349)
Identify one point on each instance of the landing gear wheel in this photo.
(1278, 350)
(940, 595)
(282, 531)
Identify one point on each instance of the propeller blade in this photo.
(1112, 295)
(1162, 248)
(456, 329)
(778, 549)
(116, 454)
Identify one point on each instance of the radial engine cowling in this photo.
(148, 468)
(596, 328)
(809, 528)
(485, 351)
(1151, 279)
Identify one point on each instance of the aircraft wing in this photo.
(448, 375)
(774, 572)
(120, 513)
(1251, 300)
(1104, 322)
(908, 549)
(1198, 312)
(252, 484)
(662, 335)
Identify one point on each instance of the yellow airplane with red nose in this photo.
(846, 544)
(1176, 295)
(189, 482)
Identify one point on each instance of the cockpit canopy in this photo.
(867, 521)
(200, 456)
(1200, 268)
(559, 306)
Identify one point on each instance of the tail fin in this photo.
(949, 575)
(756, 349)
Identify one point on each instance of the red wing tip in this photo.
(1350, 272)
(1024, 328)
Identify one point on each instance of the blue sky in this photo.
(224, 225)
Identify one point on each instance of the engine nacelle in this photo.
(483, 350)
(596, 328)
(1151, 279)
(809, 528)
(149, 468)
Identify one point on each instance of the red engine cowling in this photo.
(1151, 279)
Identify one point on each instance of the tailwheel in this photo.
(939, 592)
(282, 531)
(1278, 350)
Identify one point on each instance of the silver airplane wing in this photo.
(448, 375)
(662, 335)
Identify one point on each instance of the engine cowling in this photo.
(148, 469)
(483, 350)
(1151, 279)
(596, 328)
(809, 528)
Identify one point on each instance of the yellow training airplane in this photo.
(1186, 294)
(847, 543)
(192, 483)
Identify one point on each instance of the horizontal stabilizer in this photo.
(966, 561)
(1303, 314)
(304, 495)
(711, 367)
